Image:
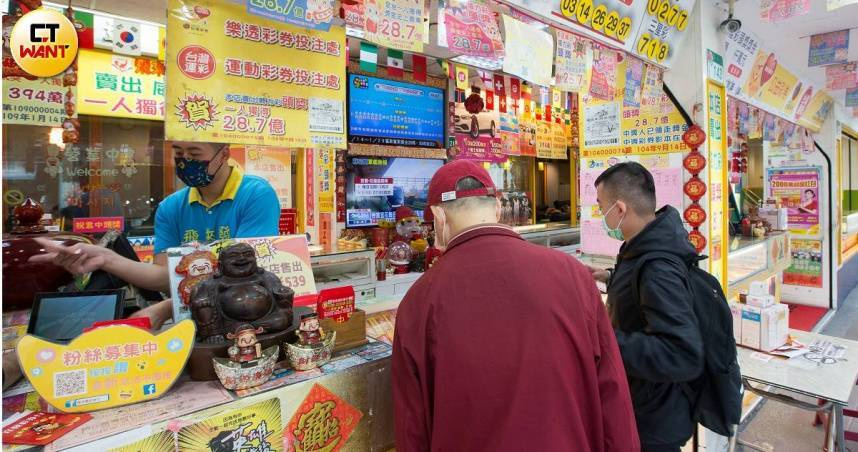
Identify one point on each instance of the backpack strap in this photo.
(686, 388)
(655, 255)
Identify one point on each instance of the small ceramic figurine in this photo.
(310, 333)
(246, 347)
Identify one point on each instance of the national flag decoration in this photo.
(368, 57)
(395, 67)
(490, 100)
(126, 37)
(515, 88)
(83, 23)
(500, 88)
(418, 63)
(502, 104)
(447, 68)
(461, 77)
(486, 77)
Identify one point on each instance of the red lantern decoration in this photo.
(694, 136)
(697, 240)
(474, 103)
(695, 215)
(694, 162)
(695, 188)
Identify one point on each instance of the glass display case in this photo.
(559, 236)
(754, 259)
(336, 268)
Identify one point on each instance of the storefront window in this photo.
(115, 170)
(554, 191)
(513, 179)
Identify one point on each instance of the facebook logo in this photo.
(149, 389)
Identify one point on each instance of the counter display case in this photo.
(337, 268)
(559, 236)
(754, 259)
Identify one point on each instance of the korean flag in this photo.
(126, 37)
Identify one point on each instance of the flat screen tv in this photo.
(377, 186)
(391, 113)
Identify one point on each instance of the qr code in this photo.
(71, 383)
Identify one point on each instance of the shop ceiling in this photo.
(790, 39)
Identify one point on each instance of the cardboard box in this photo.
(774, 327)
(751, 323)
(759, 288)
(736, 310)
(776, 217)
(760, 301)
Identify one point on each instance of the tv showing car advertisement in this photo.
(377, 186)
(390, 113)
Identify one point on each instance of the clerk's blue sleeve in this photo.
(260, 211)
(166, 229)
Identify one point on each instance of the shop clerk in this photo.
(219, 202)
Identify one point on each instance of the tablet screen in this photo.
(63, 318)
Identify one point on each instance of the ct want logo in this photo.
(44, 42)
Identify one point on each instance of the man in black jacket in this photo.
(656, 330)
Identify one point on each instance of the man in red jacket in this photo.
(503, 345)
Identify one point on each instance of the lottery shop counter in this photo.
(344, 404)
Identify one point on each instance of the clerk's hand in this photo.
(77, 259)
(598, 274)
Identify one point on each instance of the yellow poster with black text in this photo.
(120, 86)
(255, 427)
(325, 178)
(610, 128)
(39, 102)
(716, 162)
(818, 109)
(233, 77)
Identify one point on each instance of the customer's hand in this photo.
(77, 259)
(158, 313)
(599, 274)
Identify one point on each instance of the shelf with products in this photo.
(755, 259)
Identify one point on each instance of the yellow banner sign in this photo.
(120, 86)
(325, 179)
(817, 110)
(623, 127)
(39, 102)
(106, 367)
(243, 79)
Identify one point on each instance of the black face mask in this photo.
(195, 173)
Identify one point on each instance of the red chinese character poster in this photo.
(324, 421)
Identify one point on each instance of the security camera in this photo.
(730, 25)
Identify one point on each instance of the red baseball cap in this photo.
(442, 187)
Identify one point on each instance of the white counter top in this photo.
(834, 381)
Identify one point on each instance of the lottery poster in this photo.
(236, 77)
(256, 427)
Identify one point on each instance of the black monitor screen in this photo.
(62, 317)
